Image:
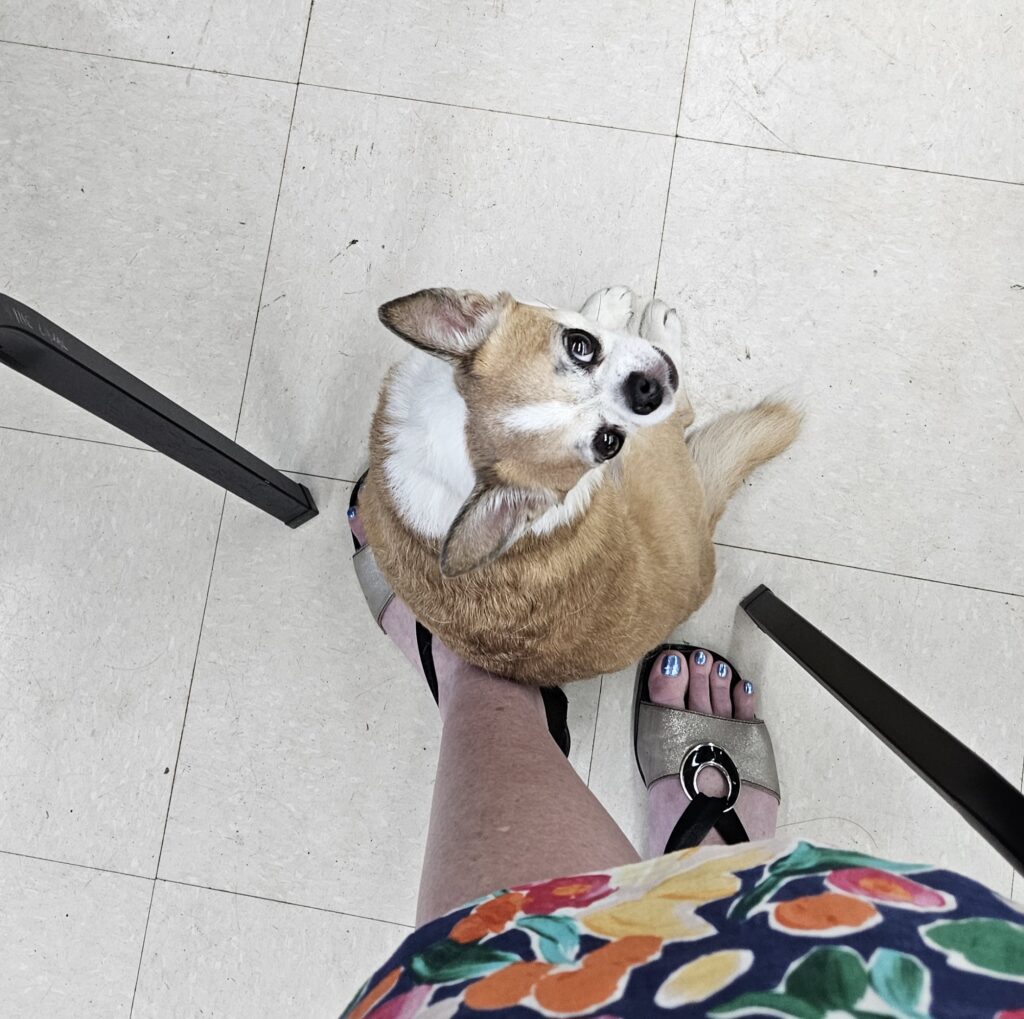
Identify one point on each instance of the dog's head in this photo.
(550, 396)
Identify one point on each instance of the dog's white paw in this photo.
(611, 308)
(662, 326)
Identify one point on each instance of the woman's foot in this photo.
(455, 677)
(701, 683)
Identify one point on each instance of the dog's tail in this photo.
(730, 447)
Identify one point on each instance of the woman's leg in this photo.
(508, 807)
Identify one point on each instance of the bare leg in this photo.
(508, 808)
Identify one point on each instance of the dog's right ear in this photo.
(447, 323)
(491, 519)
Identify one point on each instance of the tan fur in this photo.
(730, 447)
(595, 595)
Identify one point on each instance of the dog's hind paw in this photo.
(611, 307)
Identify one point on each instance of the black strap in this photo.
(703, 814)
(556, 705)
(697, 820)
(424, 643)
(730, 827)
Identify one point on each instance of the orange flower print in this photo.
(892, 889)
(577, 891)
(381, 989)
(506, 987)
(569, 989)
(490, 917)
(597, 979)
(826, 915)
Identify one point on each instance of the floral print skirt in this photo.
(762, 929)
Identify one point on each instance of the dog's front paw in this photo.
(611, 308)
(662, 326)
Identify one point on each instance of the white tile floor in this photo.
(214, 773)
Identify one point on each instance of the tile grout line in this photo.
(517, 113)
(143, 60)
(1013, 872)
(853, 162)
(721, 544)
(872, 569)
(206, 888)
(220, 524)
(675, 147)
(337, 88)
(71, 863)
(149, 449)
(181, 740)
(273, 223)
(490, 109)
(686, 66)
(593, 741)
(283, 902)
(142, 947)
(664, 218)
(76, 438)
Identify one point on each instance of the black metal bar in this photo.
(51, 356)
(973, 787)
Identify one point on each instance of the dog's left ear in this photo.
(448, 323)
(491, 519)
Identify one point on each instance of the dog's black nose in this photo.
(643, 393)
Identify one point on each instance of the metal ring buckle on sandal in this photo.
(710, 755)
(706, 812)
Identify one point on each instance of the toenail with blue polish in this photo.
(351, 512)
(700, 658)
(671, 666)
(722, 669)
(748, 688)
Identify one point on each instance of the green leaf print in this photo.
(771, 1003)
(989, 946)
(900, 981)
(557, 936)
(804, 860)
(448, 961)
(828, 978)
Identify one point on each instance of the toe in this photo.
(721, 701)
(357, 525)
(743, 701)
(700, 687)
(668, 679)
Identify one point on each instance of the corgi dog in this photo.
(532, 494)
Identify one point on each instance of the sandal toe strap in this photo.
(664, 735)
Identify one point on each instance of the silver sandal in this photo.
(680, 742)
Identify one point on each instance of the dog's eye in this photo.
(607, 443)
(582, 346)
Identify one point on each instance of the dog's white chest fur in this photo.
(427, 468)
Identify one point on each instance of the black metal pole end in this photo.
(308, 513)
